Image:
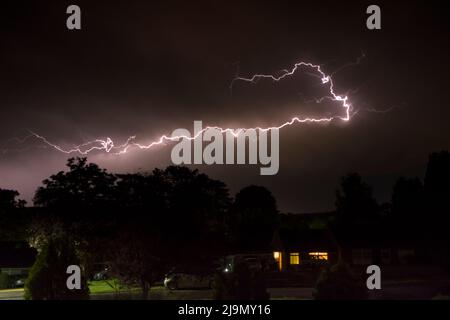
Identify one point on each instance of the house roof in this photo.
(307, 239)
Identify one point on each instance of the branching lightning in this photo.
(107, 145)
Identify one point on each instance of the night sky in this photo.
(146, 68)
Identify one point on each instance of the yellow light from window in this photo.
(294, 258)
(277, 257)
(319, 255)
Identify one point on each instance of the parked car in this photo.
(174, 281)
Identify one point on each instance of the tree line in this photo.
(144, 224)
(141, 224)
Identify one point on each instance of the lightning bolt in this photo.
(109, 146)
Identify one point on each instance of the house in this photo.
(295, 250)
(298, 248)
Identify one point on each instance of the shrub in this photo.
(47, 277)
(339, 283)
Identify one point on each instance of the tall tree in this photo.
(437, 193)
(78, 206)
(354, 199)
(76, 200)
(174, 219)
(437, 183)
(137, 254)
(407, 201)
(84, 185)
(197, 206)
(254, 216)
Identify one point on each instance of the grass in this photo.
(97, 287)
(12, 290)
(109, 286)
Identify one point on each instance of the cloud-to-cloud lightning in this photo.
(107, 145)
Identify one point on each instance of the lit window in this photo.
(294, 258)
(318, 255)
(277, 257)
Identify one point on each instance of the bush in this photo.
(339, 283)
(47, 277)
(5, 281)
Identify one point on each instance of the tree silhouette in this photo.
(254, 216)
(354, 199)
(437, 183)
(84, 185)
(437, 193)
(407, 204)
(142, 224)
(197, 206)
(136, 253)
(79, 203)
(8, 200)
(77, 206)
